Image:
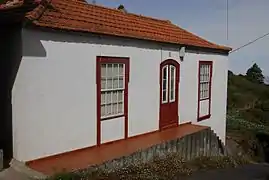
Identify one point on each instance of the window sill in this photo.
(204, 118)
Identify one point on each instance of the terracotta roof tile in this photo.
(76, 15)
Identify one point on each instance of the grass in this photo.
(160, 168)
(249, 136)
(236, 123)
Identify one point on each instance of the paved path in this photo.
(248, 172)
(11, 174)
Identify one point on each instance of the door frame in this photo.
(177, 66)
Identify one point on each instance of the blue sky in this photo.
(248, 19)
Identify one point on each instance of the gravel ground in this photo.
(247, 172)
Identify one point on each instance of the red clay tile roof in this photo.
(76, 15)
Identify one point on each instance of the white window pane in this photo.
(103, 110)
(115, 70)
(109, 70)
(108, 97)
(164, 95)
(120, 96)
(103, 83)
(103, 70)
(115, 83)
(207, 86)
(165, 83)
(121, 67)
(115, 98)
(165, 72)
(121, 84)
(103, 98)
(114, 108)
(108, 109)
(109, 83)
(172, 95)
(120, 108)
(172, 82)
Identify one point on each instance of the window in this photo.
(205, 78)
(165, 84)
(172, 83)
(112, 78)
(112, 89)
(204, 90)
(168, 83)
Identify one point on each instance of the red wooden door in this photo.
(169, 83)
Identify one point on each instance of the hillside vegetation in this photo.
(248, 112)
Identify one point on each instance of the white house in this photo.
(91, 75)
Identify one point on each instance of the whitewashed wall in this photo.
(54, 96)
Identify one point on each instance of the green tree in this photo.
(254, 74)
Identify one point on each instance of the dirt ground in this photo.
(247, 172)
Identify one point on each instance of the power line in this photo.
(251, 42)
(227, 20)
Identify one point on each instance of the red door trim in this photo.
(177, 65)
(210, 63)
(107, 59)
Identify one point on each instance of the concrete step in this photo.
(11, 174)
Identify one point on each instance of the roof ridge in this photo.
(116, 10)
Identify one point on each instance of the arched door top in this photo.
(170, 61)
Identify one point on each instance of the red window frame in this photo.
(210, 63)
(108, 60)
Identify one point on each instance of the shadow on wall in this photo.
(32, 40)
(31, 45)
(11, 53)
